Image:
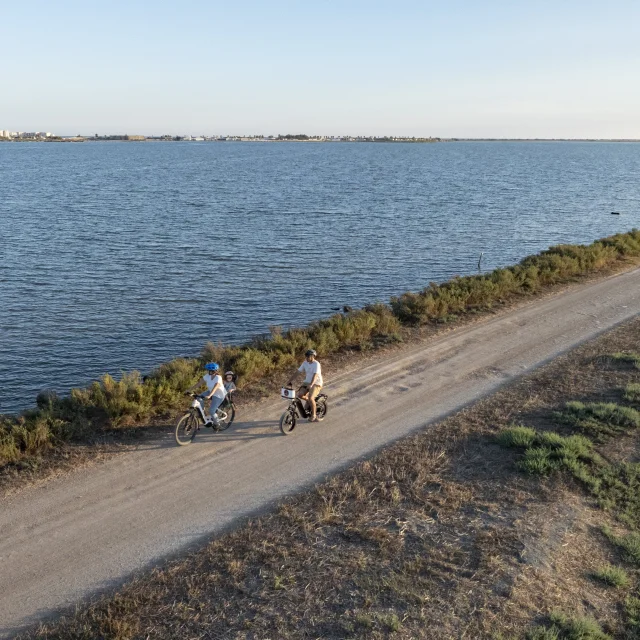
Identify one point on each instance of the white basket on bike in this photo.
(289, 394)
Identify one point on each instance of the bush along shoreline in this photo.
(133, 399)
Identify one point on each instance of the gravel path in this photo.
(89, 530)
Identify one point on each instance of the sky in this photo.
(455, 68)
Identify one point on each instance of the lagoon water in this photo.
(115, 256)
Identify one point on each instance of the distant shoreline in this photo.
(338, 141)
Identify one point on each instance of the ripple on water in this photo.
(118, 256)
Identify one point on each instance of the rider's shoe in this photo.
(208, 423)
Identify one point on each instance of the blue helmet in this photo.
(212, 366)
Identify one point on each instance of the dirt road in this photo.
(87, 531)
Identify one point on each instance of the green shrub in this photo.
(612, 576)
(555, 265)
(252, 364)
(122, 401)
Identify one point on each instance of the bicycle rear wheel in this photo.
(321, 408)
(223, 425)
(187, 428)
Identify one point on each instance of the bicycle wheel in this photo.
(223, 425)
(321, 408)
(287, 422)
(187, 428)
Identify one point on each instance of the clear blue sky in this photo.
(452, 68)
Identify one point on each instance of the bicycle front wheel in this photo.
(187, 428)
(287, 422)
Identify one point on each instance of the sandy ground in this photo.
(92, 529)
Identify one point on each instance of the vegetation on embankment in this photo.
(448, 534)
(134, 400)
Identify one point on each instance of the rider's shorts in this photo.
(313, 392)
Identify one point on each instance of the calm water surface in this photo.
(117, 256)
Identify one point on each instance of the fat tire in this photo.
(186, 429)
(287, 423)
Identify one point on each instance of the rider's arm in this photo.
(294, 375)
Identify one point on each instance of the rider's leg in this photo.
(313, 392)
(215, 403)
(303, 394)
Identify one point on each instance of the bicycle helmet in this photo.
(229, 373)
(311, 352)
(212, 366)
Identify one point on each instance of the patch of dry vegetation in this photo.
(438, 536)
(110, 404)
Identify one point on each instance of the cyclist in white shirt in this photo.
(313, 382)
(215, 391)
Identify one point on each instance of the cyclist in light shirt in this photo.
(216, 391)
(313, 382)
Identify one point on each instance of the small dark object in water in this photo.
(347, 309)
(335, 308)
(615, 213)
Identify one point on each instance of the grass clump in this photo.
(546, 452)
(612, 576)
(632, 392)
(599, 419)
(632, 614)
(517, 436)
(625, 357)
(616, 486)
(629, 544)
(562, 627)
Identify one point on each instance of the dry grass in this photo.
(439, 536)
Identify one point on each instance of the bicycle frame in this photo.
(198, 403)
